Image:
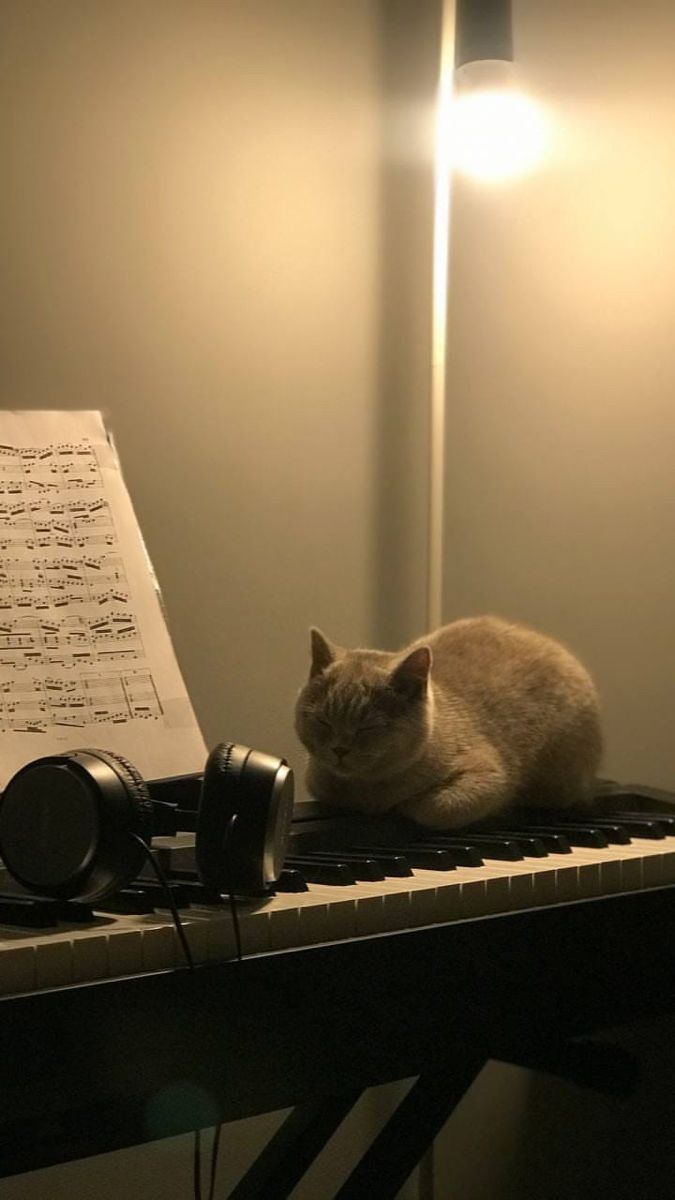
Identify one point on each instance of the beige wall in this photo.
(215, 225)
(191, 195)
(561, 426)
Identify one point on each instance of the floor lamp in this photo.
(485, 126)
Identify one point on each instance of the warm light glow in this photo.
(496, 133)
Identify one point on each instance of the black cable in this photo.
(237, 942)
(230, 894)
(197, 1165)
(214, 1160)
(164, 884)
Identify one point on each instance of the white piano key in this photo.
(411, 898)
(90, 955)
(600, 870)
(54, 962)
(157, 945)
(17, 968)
(424, 898)
(340, 910)
(253, 921)
(275, 923)
(620, 867)
(425, 907)
(221, 943)
(668, 862)
(312, 920)
(397, 905)
(382, 906)
(467, 891)
(196, 935)
(125, 952)
(657, 857)
(284, 924)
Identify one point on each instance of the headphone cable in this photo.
(164, 884)
(180, 930)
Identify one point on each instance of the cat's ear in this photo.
(323, 653)
(410, 676)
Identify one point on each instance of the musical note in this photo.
(83, 646)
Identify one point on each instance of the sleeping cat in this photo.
(453, 728)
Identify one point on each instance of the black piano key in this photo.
(26, 911)
(488, 845)
(197, 892)
(73, 912)
(189, 879)
(465, 854)
(637, 827)
(620, 832)
(631, 821)
(555, 843)
(180, 893)
(337, 874)
(291, 881)
(531, 844)
(577, 835)
(127, 900)
(459, 855)
(363, 866)
(614, 832)
(431, 858)
(395, 865)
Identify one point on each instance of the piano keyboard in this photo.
(113, 945)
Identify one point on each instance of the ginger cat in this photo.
(479, 715)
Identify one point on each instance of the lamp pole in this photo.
(439, 319)
(474, 33)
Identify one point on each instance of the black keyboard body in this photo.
(83, 1065)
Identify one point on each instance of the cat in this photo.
(475, 717)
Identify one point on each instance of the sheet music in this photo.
(85, 655)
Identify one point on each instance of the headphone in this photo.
(79, 825)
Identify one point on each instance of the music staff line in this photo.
(33, 524)
(40, 705)
(70, 642)
(60, 466)
(46, 583)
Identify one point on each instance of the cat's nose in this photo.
(340, 751)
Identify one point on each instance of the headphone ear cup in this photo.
(66, 822)
(218, 804)
(119, 858)
(244, 817)
(137, 790)
(139, 818)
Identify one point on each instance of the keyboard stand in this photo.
(85, 1068)
(419, 1118)
(406, 1137)
(293, 1148)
